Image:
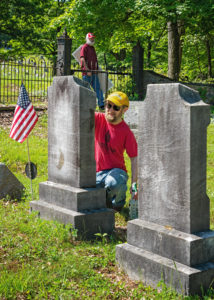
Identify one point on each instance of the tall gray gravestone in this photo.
(70, 194)
(171, 240)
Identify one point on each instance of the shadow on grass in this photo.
(125, 213)
(120, 234)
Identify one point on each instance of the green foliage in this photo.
(28, 25)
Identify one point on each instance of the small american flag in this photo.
(25, 117)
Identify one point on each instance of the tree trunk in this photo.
(173, 51)
(199, 64)
(149, 48)
(137, 69)
(209, 59)
(181, 32)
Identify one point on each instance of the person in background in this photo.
(112, 137)
(89, 64)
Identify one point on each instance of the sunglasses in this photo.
(115, 107)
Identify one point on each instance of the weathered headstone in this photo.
(131, 116)
(171, 240)
(70, 194)
(9, 184)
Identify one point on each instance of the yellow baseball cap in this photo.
(118, 98)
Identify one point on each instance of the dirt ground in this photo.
(6, 117)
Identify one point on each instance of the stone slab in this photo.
(87, 223)
(188, 249)
(151, 268)
(9, 184)
(71, 105)
(172, 135)
(73, 198)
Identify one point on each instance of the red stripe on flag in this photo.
(29, 130)
(23, 121)
(17, 115)
(20, 120)
(25, 117)
(25, 127)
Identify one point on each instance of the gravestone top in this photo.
(172, 158)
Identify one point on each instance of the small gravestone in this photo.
(70, 194)
(10, 186)
(131, 116)
(171, 240)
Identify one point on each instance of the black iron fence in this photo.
(37, 75)
(35, 72)
(110, 80)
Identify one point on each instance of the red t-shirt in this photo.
(89, 53)
(110, 143)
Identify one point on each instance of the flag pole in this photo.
(30, 169)
(20, 130)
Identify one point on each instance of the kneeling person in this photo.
(112, 137)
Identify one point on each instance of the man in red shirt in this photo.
(112, 137)
(89, 63)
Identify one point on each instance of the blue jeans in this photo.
(94, 82)
(115, 182)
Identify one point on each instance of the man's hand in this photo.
(84, 65)
(136, 196)
(134, 191)
(133, 188)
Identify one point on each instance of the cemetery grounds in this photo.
(43, 259)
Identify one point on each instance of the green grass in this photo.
(43, 260)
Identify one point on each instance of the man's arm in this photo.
(134, 170)
(84, 65)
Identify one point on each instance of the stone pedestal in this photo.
(171, 240)
(70, 194)
(63, 64)
(9, 185)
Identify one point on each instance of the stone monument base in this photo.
(155, 253)
(85, 208)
